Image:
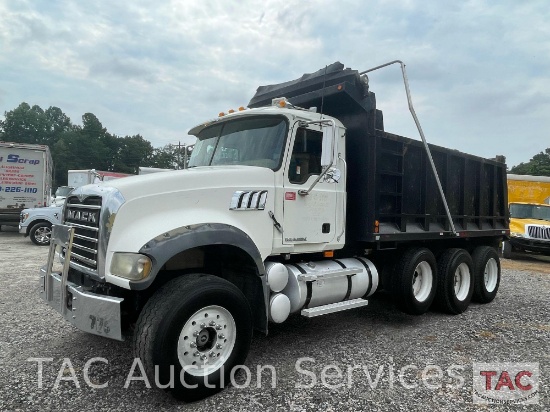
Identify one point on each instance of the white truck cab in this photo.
(305, 152)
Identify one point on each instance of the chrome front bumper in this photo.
(89, 312)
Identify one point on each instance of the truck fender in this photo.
(163, 247)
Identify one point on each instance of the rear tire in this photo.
(455, 285)
(413, 281)
(486, 274)
(41, 234)
(199, 325)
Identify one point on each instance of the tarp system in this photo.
(314, 90)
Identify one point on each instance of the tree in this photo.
(133, 152)
(25, 124)
(539, 165)
(89, 146)
(95, 147)
(168, 157)
(57, 123)
(92, 127)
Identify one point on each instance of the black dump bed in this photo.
(392, 191)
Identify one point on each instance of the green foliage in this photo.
(169, 157)
(539, 165)
(25, 124)
(89, 146)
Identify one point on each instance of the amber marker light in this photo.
(241, 109)
(231, 111)
(329, 253)
(340, 87)
(221, 114)
(376, 226)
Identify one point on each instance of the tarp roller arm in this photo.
(411, 109)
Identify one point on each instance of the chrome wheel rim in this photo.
(43, 234)
(206, 340)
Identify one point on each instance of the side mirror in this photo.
(328, 146)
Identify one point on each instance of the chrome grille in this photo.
(539, 232)
(84, 217)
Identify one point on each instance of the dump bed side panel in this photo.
(409, 202)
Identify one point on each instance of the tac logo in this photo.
(506, 383)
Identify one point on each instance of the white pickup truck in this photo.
(37, 223)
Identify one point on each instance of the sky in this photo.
(479, 71)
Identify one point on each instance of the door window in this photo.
(306, 155)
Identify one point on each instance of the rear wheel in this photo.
(41, 234)
(455, 285)
(486, 274)
(413, 281)
(201, 327)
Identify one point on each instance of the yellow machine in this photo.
(529, 201)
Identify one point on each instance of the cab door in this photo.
(308, 218)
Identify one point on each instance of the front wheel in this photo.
(194, 331)
(41, 234)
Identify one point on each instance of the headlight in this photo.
(517, 234)
(131, 266)
(24, 216)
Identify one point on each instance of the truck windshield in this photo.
(252, 141)
(518, 211)
(63, 191)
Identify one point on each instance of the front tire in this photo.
(41, 234)
(413, 281)
(486, 274)
(199, 325)
(455, 285)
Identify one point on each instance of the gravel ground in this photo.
(376, 339)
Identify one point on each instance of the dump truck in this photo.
(529, 203)
(299, 205)
(25, 179)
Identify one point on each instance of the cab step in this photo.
(334, 307)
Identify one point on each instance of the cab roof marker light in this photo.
(279, 102)
(231, 111)
(221, 114)
(242, 108)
